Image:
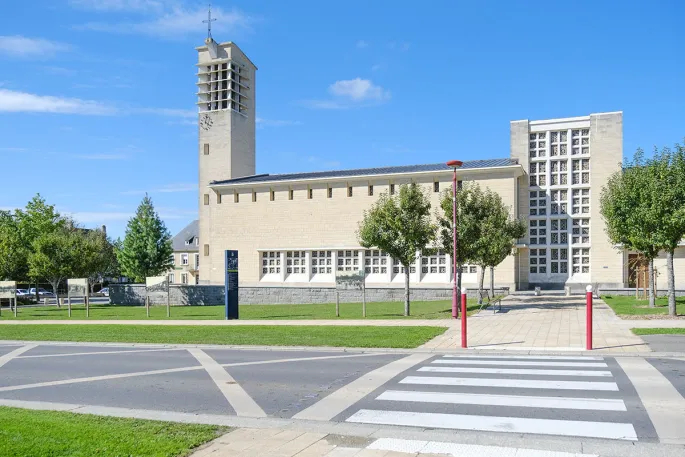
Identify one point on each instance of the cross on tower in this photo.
(209, 21)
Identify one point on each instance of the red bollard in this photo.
(463, 317)
(588, 318)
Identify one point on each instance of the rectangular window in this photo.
(206, 249)
(322, 262)
(392, 189)
(236, 197)
(206, 199)
(272, 195)
(172, 259)
(370, 190)
(197, 278)
(436, 187)
(349, 191)
(197, 260)
(295, 262)
(254, 196)
(206, 149)
(218, 198)
(330, 192)
(271, 262)
(291, 194)
(184, 259)
(310, 193)
(184, 278)
(171, 278)
(348, 260)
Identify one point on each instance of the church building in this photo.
(299, 229)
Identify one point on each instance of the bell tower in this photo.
(226, 125)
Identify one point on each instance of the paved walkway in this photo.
(544, 323)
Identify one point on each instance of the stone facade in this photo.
(134, 294)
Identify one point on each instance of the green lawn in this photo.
(628, 305)
(380, 310)
(268, 335)
(49, 433)
(659, 331)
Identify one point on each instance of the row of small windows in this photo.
(310, 192)
(558, 143)
(375, 262)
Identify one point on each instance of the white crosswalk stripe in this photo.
(450, 392)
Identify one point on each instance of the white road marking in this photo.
(515, 363)
(521, 357)
(520, 371)
(609, 430)
(664, 404)
(237, 397)
(98, 353)
(338, 401)
(462, 450)
(16, 353)
(594, 404)
(172, 370)
(512, 383)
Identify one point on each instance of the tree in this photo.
(38, 220)
(59, 254)
(626, 206)
(13, 253)
(470, 212)
(103, 261)
(401, 226)
(146, 250)
(498, 235)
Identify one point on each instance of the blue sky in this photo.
(97, 101)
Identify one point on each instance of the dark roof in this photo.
(189, 233)
(488, 163)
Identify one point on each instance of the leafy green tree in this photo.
(103, 262)
(401, 226)
(626, 207)
(38, 220)
(498, 235)
(13, 252)
(470, 212)
(146, 250)
(60, 254)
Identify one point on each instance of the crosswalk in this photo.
(548, 395)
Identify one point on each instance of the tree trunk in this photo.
(481, 280)
(55, 288)
(406, 290)
(652, 301)
(492, 282)
(671, 283)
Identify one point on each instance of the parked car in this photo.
(23, 293)
(42, 293)
(105, 291)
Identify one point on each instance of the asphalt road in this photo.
(574, 397)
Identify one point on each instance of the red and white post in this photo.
(588, 318)
(463, 318)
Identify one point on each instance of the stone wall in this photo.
(134, 294)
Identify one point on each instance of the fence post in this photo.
(588, 318)
(463, 318)
(337, 303)
(147, 305)
(87, 299)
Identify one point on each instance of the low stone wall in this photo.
(631, 291)
(134, 294)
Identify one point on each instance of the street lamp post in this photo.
(454, 164)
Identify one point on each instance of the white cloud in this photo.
(358, 90)
(351, 93)
(167, 189)
(362, 44)
(20, 46)
(261, 122)
(177, 22)
(118, 5)
(24, 102)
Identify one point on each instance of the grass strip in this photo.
(659, 331)
(267, 335)
(627, 305)
(51, 433)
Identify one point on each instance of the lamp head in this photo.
(455, 163)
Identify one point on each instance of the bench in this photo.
(486, 301)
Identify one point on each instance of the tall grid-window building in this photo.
(299, 229)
